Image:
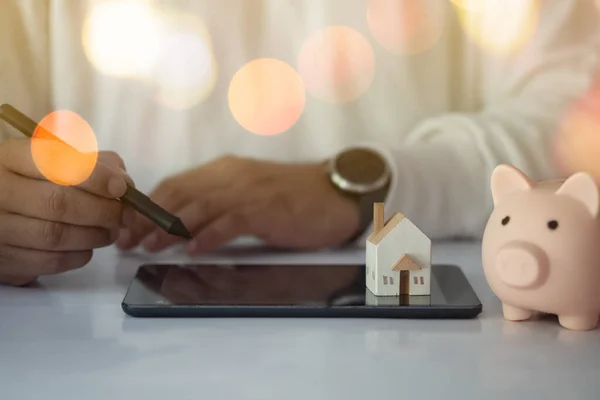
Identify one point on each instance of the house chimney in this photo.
(378, 214)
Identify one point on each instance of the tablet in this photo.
(288, 291)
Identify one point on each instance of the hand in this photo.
(285, 205)
(46, 228)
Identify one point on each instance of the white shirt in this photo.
(444, 117)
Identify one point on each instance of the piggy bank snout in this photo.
(521, 265)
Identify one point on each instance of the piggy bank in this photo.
(541, 247)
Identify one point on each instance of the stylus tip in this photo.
(178, 229)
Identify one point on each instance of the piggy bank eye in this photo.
(505, 220)
(553, 224)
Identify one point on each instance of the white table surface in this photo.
(69, 339)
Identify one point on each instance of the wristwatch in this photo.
(363, 175)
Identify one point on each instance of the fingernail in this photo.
(117, 186)
(124, 238)
(150, 241)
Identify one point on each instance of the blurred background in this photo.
(280, 79)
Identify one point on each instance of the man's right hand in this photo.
(46, 228)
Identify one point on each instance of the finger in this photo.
(195, 216)
(48, 201)
(133, 231)
(38, 234)
(16, 156)
(16, 280)
(20, 262)
(116, 163)
(111, 159)
(107, 181)
(128, 216)
(230, 226)
(173, 193)
(170, 195)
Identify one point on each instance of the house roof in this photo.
(376, 237)
(405, 263)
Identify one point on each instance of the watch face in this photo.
(361, 168)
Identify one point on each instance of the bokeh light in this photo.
(577, 143)
(185, 71)
(470, 5)
(70, 160)
(267, 96)
(406, 26)
(169, 50)
(497, 26)
(337, 64)
(120, 38)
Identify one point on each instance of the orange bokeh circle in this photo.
(71, 159)
(577, 144)
(337, 64)
(267, 96)
(405, 26)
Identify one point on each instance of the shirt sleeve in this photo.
(441, 175)
(25, 59)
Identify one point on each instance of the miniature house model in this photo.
(398, 257)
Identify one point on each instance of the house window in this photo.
(373, 274)
(391, 280)
(385, 280)
(418, 280)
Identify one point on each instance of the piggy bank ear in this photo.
(506, 180)
(582, 187)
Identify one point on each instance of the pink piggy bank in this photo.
(541, 247)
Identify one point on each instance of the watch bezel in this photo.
(358, 188)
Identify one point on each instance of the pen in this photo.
(138, 200)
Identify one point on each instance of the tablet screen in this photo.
(283, 285)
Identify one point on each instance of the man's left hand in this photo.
(290, 206)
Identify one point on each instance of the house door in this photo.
(404, 282)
